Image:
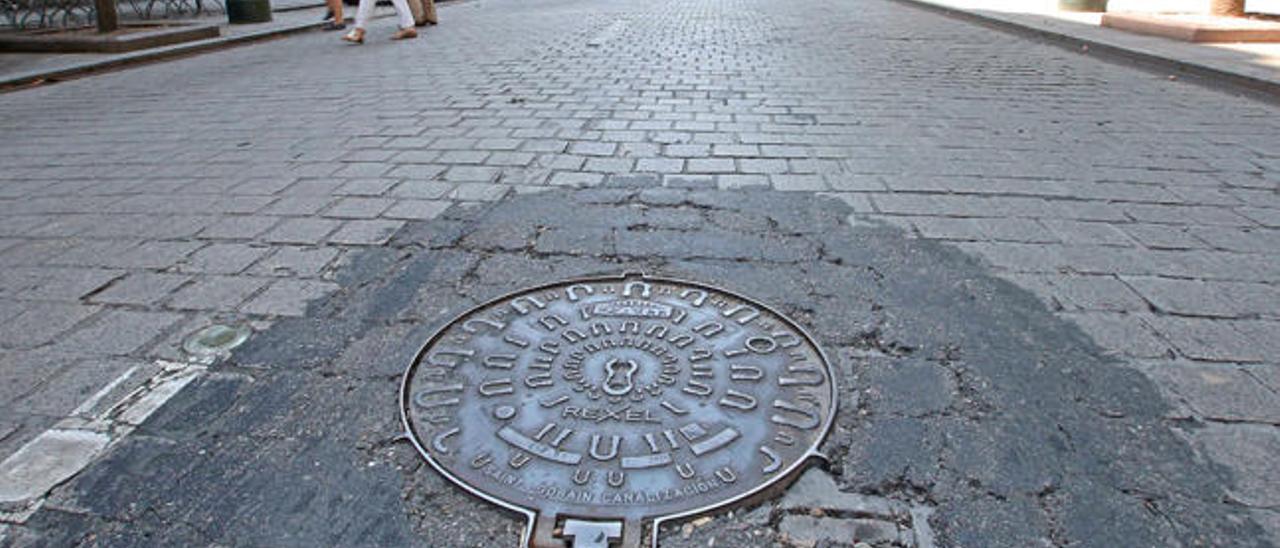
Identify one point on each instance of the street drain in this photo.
(598, 406)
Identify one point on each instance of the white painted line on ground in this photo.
(88, 405)
(61, 452)
(46, 461)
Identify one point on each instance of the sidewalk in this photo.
(18, 69)
(1255, 66)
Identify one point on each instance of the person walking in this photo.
(365, 10)
(335, 19)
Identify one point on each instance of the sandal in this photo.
(356, 36)
(333, 25)
(404, 34)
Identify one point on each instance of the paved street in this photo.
(346, 201)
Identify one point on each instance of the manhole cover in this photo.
(595, 406)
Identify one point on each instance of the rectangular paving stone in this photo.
(471, 174)
(609, 165)
(35, 252)
(415, 157)
(362, 232)
(298, 205)
(358, 208)
(1244, 240)
(1164, 236)
(1217, 391)
(1179, 215)
(1184, 297)
(79, 379)
(157, 255)
(140, 288)
(1095, 293)
(224, 293)
(419, 210)
(40, 323)
(792, 182)
(1089, 233)
(295, 261)
(762, 165)
(240, 227)
(99, 253)
(288, 297)
(566, 178)
(479, 192)
(1264, 334)
(456, 157)
(1015, 230)
(566, 162)
(593, 149)
(53, 284)
(948, 228)
(315, 187)
(302, 231)
(367, 187)
(735, 181)
(689, 181)
(659, 165)
(1127, 334)
(417, 172)
(118, 332)
(1245, 447)
(1267, 217)
(516, 159)
(545, 145)
(223, 258)
(710, 165)
(1207, 340)
(427, 190)
(362, 169)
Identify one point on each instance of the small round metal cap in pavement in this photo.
(600, 406)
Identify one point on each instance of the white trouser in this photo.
(366, 10)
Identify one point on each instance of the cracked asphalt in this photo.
(1047, 282)
(961, 393)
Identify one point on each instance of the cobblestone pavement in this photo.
(139, 206)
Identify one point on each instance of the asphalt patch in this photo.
(958, 391)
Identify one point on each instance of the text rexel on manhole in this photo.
(595, 406)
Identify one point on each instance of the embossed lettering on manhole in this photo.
(599, 406)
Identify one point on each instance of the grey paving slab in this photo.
(288, 297)
(40, 323)
(1219, 392)
(295, 261)
(302, 231)
(76, 381)
(140, 288)
(216, 293)
(1250, 447)
(361, 232)
(118, 332)
(219, 258)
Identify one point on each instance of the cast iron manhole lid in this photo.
(596, 406)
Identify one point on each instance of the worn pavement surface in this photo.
(1127, 397)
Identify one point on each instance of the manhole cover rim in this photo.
(532, 513)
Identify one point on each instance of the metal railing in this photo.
(52, 14)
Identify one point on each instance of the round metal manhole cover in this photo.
(597, 405)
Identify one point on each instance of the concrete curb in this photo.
(21, 80)
(1215, 77)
